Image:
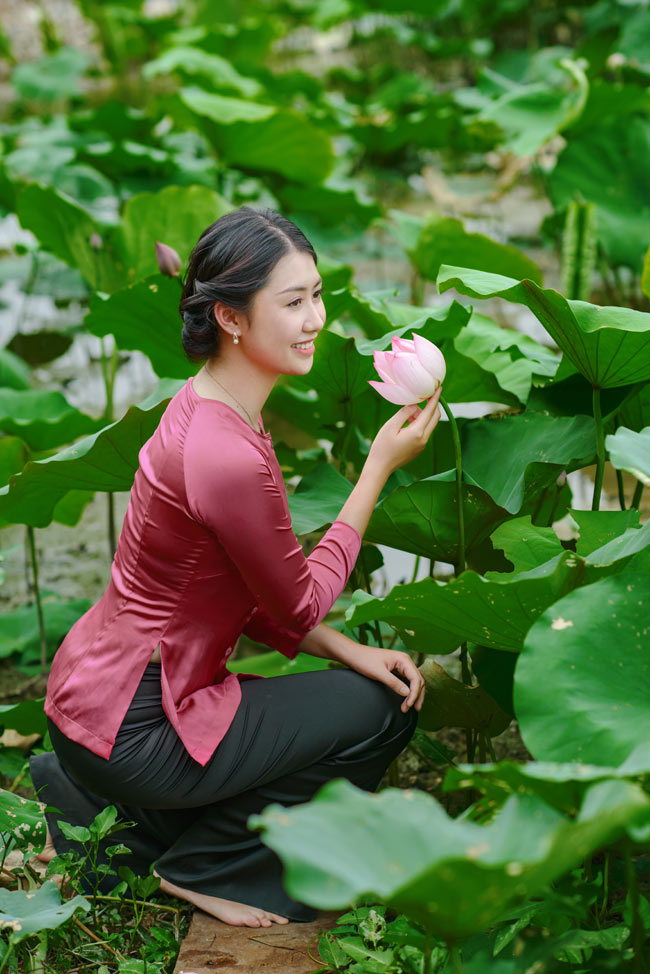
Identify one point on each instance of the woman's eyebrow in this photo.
(319, 281)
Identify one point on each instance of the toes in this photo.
(277, 919)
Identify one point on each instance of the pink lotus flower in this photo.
(411, 372)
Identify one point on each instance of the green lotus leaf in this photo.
(191, 61)
(533, 449)
(450, 703)
(318, 498)
(530, 115)
(609, 346)
(225, 110)
(54, 76)
(104, 461)
(525, 544)
(19, 628)
(512, 357)
(591, 652)
(598, 528)
(339, 208)
(44, 419)
(620, 549)
(144, 316)
(583, 170)
(176, 216)
(261, 137)
(41, 347)
(14, 373)
(26, 717)
(561, 785)
(453, 876)
(64, 229)
(24, 914)
(436, 617)
(22, 819)
(635, 411)
(422, 518)
(630, 451)
(444, 240)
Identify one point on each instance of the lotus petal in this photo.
(430, 356)
(383, 365)
(411, 375)
(394, 393)
(403, 344)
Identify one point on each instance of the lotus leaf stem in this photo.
(109, 370)
(638, 490)
(456, 961)
(37, 596)
(621, 489)
(427, 953)
(459, 484)
(600, 450)
(637, 933)
(7, 955)
(366, 576)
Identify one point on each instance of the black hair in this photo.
(231, 262)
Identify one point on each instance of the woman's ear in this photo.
(227, 318)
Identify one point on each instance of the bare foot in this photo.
(236, 914)
(49, 852)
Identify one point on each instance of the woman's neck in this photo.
(241, 383)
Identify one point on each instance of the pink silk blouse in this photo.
(206, 552)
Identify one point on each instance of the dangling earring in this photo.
(235, 338)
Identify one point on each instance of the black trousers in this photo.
(289, 736)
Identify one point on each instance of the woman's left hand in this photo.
(383, 664)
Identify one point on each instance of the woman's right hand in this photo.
(396, 444)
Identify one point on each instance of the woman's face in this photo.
(285, 318)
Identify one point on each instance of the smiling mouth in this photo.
(309, 344)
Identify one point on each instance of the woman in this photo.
(142, 711)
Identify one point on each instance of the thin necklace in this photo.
(252, 423)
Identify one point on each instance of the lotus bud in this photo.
(96, 241)
(411, 371)
(168, 260)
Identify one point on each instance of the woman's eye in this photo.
(317, 294)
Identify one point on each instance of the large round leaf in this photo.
(422, 518)
(455, 877)
(66, 230)
(584, 170)
(175, 216)
(22, 819)
(530, 115)
(444, 240)
(609, 346)
(44, 419)
(436, 617)
(25, 914)
(262, 137)
(145, 317)
(190, 61)
(20, 628)
(590, 655)
(561, 785)
(630, 451)
(105, 461)
(517, 455)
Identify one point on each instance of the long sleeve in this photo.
(238, 493)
